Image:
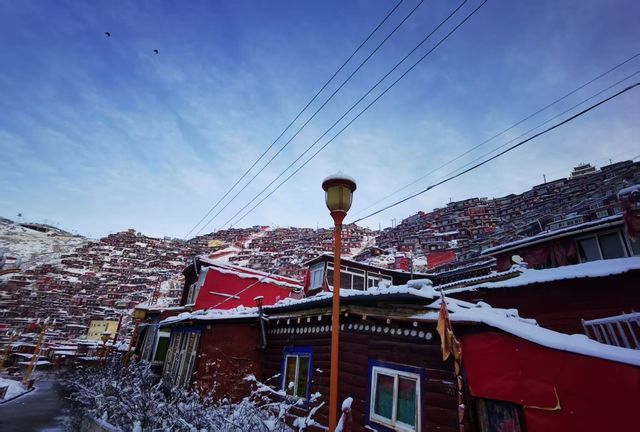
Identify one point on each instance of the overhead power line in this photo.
(298, 115)
(538, 126)
(501, 153)
(544, 108)
(315, 113)
(360, 113)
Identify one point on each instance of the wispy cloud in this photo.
(102, 134)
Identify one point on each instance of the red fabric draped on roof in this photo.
(560, 391)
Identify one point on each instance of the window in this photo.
(375, 279)
(317, 272)
(634, 245)
(148, 333)
(193, 293)
(395, 396)
(601, 246)
(181, 355)
(297, 372)
(161, 347)
(494, 415)
(351, 278)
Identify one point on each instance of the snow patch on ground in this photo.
(15, 388)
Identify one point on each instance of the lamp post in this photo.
(338, 197)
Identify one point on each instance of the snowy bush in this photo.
(134, 399)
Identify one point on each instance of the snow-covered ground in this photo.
(34, 247)
(15, 388)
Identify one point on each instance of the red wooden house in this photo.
(211, 284)
(582, 272)
(559, 298)
(515, 375)
(211, 288)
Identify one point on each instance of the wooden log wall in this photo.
(407, 344)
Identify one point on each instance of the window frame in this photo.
(296, 352)
(353, 273)
(179, 363)
(621, 238)
(162, 334)
(192, 295)
(396, 370)
(314, 271)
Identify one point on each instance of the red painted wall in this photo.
(559, 390)
(435, 259)
(245, 289)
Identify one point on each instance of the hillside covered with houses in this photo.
(79, 282)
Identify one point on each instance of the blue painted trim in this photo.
(297, 350)
(394, 366)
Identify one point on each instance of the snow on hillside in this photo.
(34, 244)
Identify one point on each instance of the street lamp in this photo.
(338, 196)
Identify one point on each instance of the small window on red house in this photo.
(498, 416)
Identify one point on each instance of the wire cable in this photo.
(344, 115)
(502, 132)
(502, 152)
(539, 125)
(535, 127)
(298, 115)
(360, 113)
(315, 113)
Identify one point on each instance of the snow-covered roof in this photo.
(508, 321)
(226, 268)
(263, 279)
(590, 269)
(550, 235)
(417, 288)
(363, 264)
(629, 190)
(240, 312)
(512, 272)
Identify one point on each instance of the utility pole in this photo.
(544, 177)
(36, 352)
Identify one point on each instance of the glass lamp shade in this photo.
(339, 192)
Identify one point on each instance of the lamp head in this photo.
(339, 192)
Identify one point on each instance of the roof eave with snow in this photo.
(555, 234)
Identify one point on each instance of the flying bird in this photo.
(108, 34)
(156, 51)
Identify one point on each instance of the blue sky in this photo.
(100, 134)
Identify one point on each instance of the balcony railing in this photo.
(622, 330)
